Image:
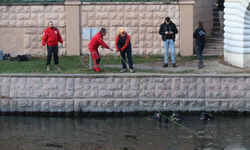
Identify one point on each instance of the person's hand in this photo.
(216, 5)
(44, 48)
(110, 49)
(166, 32)
(170, 32)
(61, 45)
(117, 52)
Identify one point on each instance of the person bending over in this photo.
(123, 46)
(95, 42)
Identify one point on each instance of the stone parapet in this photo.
(122, 92)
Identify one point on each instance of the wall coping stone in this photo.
(138, 3)
(124, 75)
(31, 3)
(128, 99)
(97, 3)
(72, 3)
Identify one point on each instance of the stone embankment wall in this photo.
(122, 93)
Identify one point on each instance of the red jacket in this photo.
(122, 42)
(96, 41)
(51, 37)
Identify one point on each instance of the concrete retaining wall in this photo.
(122, 93)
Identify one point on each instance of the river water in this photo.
(123, 133)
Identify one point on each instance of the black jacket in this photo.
(163, 29)
(220, 5)
(199, 35)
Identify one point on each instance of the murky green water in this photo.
(123, 133)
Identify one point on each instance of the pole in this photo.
(90, 58)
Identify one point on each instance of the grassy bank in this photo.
(72, 64)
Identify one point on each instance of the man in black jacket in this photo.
(168, 30)
(220, 9)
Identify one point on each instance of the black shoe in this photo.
(8, 55)
(97, 71)
(201, 66)
(198, 64)
(5, 56)
(165, 65)
(174, 65)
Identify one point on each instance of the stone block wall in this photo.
(23, 25)
(32, 19)
(141, 21)
(122, 93)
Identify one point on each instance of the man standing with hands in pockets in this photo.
(51, 37)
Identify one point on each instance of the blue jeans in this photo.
(169, 43)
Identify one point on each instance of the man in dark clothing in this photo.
(199, 35)
(220, 9)
(168, 30)
(51, 37)
(123, 45)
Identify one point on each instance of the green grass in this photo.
(72, 64)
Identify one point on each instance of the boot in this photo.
(57, 68)
(201, 66)
(48, 68)
(174, 65)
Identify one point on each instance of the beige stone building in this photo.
(22, 24)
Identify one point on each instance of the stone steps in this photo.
(214, 43)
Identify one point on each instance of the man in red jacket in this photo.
(95, 42)
(51, 36)
(123, 45)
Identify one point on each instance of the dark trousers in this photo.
(199, 50)
(129, 55)
(52, 50)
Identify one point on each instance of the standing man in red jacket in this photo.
(51, 36)
(95, 42)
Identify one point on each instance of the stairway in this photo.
(215, 42)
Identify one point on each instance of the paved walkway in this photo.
(211, 67)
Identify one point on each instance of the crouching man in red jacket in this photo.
(51, 36)
(95, 42)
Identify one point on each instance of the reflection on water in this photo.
(123, 133)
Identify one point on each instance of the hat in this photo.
(122, 30)
(167, 19)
